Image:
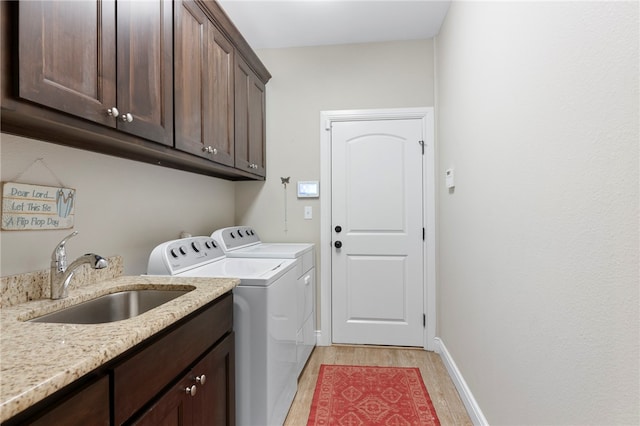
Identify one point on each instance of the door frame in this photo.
(426, 114)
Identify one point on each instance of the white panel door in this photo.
(377, 228)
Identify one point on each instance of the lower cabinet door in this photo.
(205, 396)
(214, 403)
(172, 409)
(89, 406)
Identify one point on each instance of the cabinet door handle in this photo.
(201, 379)
(207, 149)
(191, 390)
(113, 112)
(127, 118)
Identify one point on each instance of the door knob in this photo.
(338, 244)
(338, 228)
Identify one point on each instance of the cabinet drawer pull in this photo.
(113, 112)
(127, 118)
(191, 390)
(210, 150)
(201, 379)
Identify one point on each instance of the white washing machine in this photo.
(264, 318)
(244, 242)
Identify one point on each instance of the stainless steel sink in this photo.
(112, 307)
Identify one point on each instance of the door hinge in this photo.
(424, 320)
(424, 234)
(422, 145)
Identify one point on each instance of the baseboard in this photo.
(468, 400)
(322, 340)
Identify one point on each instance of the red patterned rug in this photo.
(352, 395)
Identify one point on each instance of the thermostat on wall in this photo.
(308, 189)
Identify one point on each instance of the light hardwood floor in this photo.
(443, 393)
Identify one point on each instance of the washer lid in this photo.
(272, 250)
(260, 272)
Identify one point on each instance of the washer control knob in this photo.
(196, 246)
(183, 250)
(174, 253)
(232, 235)
(214, 244)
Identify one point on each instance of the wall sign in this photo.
(29, 207)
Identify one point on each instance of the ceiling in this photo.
(295, 23)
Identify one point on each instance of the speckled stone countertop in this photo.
(37, 359)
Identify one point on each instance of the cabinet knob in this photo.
(113, 112)
(201, 379)
(206, 149)
(127, 118)
(191, 390)
(215, 151)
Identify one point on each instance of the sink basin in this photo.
(111, 307)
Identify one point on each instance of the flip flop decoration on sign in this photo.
(64, 203)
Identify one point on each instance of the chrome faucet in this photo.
(61, 274)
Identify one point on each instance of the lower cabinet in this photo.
(203, 396)
(185, 375)
(87, 406)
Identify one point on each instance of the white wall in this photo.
(538, 261)
(122, 207)
(309, 80)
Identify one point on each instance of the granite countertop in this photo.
(37, 359)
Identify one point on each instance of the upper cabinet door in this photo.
(67, 57)
(204, 94)
(145, 68)
(250, 120)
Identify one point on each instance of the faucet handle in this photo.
(59, 254)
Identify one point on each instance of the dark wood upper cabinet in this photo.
(250, 119)
(111, 67)
(145, 68)
(99, 75)
(204, 97)
(67, 57)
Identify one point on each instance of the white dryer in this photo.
(244, 242)
(265, 322)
